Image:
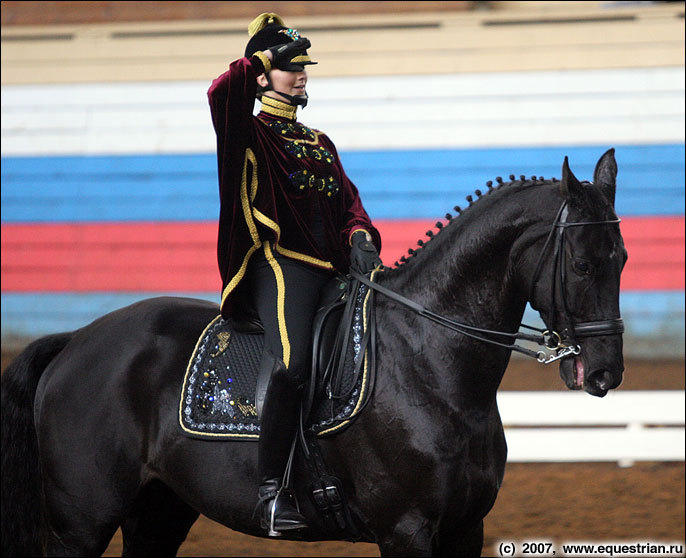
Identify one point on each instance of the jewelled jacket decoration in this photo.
(265, 193)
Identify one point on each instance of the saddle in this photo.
(228, 373)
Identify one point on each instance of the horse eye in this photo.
(582, 267)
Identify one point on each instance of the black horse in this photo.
(90, 428)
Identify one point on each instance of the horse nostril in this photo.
(603, 380)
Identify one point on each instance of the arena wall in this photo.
(26, 12)
(109, 177)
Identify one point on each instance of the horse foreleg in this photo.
(420, 538)
(158, 522)
(411, 536)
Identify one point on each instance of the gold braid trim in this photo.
(368, 236)
(280, 303)
(262, 218)
(301, 58)
(277, 108)
(247, 213)
(303, 257)
(265, 61)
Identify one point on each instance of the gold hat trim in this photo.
(262, 20)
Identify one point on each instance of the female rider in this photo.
(289, 219)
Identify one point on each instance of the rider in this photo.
(290, 218)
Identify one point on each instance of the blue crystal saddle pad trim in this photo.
(218, 393)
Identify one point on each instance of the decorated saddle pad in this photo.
(218, 394)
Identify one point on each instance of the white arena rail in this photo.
(624, 426)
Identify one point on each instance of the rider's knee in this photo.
(298, 367)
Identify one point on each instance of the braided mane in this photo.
(440, 226)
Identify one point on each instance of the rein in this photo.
(465, 329)
(548, 338)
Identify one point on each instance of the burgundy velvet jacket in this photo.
(279, 181)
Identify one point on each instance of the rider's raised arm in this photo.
(232, 100)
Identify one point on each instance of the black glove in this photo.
(363, 255)
(283, 54)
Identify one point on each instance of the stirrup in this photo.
(297, 520)
(271, 502)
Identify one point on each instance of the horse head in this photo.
(576, 283)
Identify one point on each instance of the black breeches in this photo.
(286, 294)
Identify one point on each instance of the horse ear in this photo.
(570, 187)
(605, 175)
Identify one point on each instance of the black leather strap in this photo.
(464, 329)
(601, 327)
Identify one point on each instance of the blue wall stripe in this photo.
(395, 184)
(35, 314)
(654, 320)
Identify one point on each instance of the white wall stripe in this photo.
(580, 107)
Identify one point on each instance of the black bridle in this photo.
(572, 331)
(564, 342)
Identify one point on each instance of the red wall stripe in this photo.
(181, 257)
(110, 257)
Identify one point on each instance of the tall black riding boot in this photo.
(277, 432)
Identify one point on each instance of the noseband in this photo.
(564, 342)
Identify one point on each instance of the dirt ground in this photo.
(556, 503)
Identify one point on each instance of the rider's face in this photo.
(291, 83)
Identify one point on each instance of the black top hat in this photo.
(269, 30)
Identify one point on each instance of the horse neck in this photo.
(467, 272)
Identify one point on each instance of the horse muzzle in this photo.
(600, 381)
(597, 381)
(580, 372)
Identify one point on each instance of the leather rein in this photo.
(549, 338)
